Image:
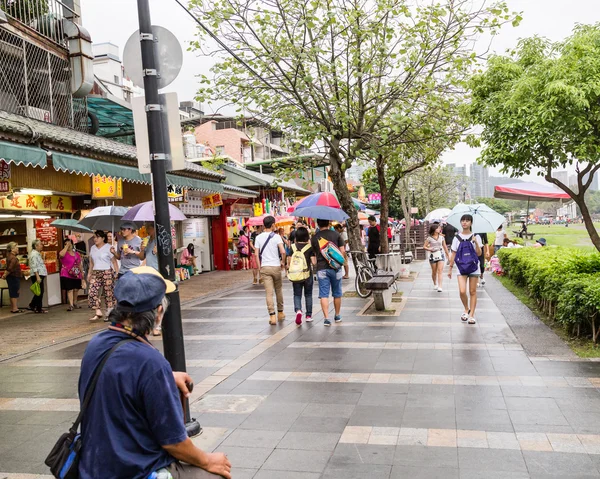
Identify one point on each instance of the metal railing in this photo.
(44, 16)
(37, 83)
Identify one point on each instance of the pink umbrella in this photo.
(256, 220)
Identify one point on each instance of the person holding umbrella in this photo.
(466, 250)
(129, 248)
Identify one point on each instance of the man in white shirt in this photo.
(271, 260)
(500, 236)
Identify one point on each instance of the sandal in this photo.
(18, 311)
(76, 306)
(70, 308)
(95, 318)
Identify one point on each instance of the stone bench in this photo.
(380, 286)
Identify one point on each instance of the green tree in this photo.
(501, 206)
(540, 111)
(340, 74)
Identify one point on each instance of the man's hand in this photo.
(182, 380)
(217, 463)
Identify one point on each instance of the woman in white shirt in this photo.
(100, 275)
(38, 275)
(500, 237)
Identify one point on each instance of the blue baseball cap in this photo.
(141, 289)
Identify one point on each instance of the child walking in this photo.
(466, 249)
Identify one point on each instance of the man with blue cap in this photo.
(133, 426)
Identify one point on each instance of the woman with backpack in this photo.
(436, 245)
(466, 250)
(300, 274)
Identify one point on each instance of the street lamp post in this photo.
(174, 348)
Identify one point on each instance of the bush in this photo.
(565, 282)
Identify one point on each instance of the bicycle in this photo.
(365, 270)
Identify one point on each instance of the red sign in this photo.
(47, 234)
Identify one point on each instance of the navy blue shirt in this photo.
(134, 410)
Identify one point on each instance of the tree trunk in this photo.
(341, 189)
(384, 209)
(587, 219)
(406, 206)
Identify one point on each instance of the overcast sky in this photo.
(115, 20)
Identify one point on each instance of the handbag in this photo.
(36, 288)
(63, 459)
(436, 256)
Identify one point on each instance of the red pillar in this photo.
(220, 240)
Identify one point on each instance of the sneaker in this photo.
(482, 282)
(434, 286)
(157, 331)
(299, 318)
(308, 319)
(439, 289)
(338, 319)
(472, 320)
(327, 322)
(464, 317)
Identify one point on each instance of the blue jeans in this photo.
(330, 279)
(307, 285)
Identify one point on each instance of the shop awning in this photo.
(88, 166)
(22, 154)
(242, 177)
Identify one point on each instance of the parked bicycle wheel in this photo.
(363, 275)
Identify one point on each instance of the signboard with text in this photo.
(107, 188)
(37, 203)
(47, 234)
(177, 194)
(212, 201)
(5, 188)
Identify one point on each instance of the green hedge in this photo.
(565, 282)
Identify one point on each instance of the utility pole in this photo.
(174, 348)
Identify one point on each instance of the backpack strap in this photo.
(294, 248)
(306, 248)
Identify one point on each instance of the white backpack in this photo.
(299, 270)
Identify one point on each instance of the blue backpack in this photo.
(466, 258)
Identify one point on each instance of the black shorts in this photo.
(69, 284)
(14, 285)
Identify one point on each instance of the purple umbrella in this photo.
(145, 212)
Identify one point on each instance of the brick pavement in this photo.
(415, 395)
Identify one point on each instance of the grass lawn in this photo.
(556, 235)
(584, 348)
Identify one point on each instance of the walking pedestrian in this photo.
(129, 248)
(271, 260)
(244, 247)
(253, 257)
(71, 273)
(304, 270)
(449, 233)
(133, 426)
(13, 275)
(484, 242)
(466, 249)
(330, 279)
(373, 238)
(150, 251)
(100, 275)
(500, 237)
(38, 271)
(436, 245)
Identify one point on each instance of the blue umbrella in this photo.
(321, 213)
(485, 219)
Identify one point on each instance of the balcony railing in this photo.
(43, 16)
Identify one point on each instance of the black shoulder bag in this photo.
(264, 246)
(63, 460)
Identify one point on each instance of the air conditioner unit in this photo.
(36, 113)
(326, 186)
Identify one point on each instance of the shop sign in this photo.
(47, 234)
(242, 210)
(37, 203)
(107, 188)
(193, 228)
(4, 177)
(374, 198)
(177, 194)
(212, 201)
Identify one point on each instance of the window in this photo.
(219, 150)
(116, 79)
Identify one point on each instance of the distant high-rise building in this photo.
(462, 184)
(562, 176)
(480, 181)
(356, 171)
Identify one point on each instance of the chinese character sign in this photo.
(176, 194)
(37, 203)
(212, 201)
(106, 187)
(4, 177)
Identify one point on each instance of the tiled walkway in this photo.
(418, 395)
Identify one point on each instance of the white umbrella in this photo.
(439, 214)
(106, 218)
(485, 219)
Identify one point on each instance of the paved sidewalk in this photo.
(419, 395)
(26, 332)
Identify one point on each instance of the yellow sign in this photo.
(212, 201)
(177, 194)
(37, 203)
(106, 187)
